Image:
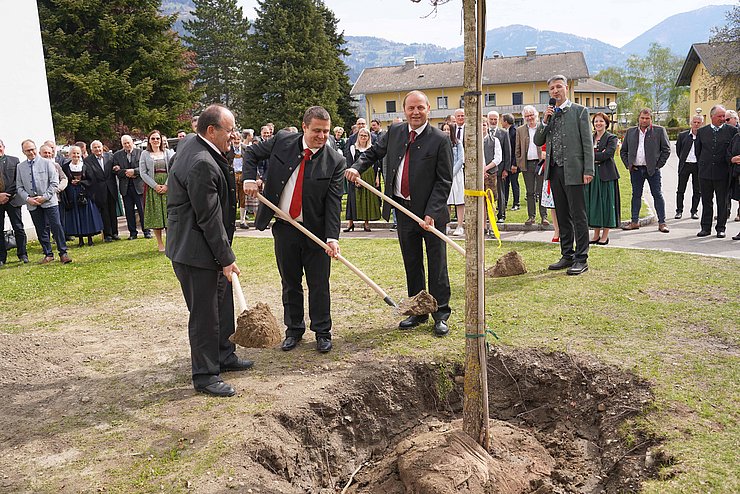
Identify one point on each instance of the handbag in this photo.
(82, 200)
(10, 242)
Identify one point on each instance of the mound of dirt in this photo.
(510, 264)
(419, 305)
(257, 328)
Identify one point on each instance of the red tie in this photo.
(296, 203)
(405, 189)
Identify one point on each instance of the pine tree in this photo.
(218, 35)
(114, 66)
(291, 64)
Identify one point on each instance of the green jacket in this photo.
(578, 144)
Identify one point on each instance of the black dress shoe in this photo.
(561, 264)
(412, 322)
(694, 216)
(238, 365)
(290, 343)
(678, 215)
(721, 235)
(703, 233)
(108, 239)
(217, 389)
(592, 242)
(116, 237)
(23, 259)
(577, 268)
(132, 237)
(440, 328)
(323, 344)
(147, 234)
(736, 237)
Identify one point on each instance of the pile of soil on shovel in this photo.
(257, 328)
(510, 264)
(420, 304)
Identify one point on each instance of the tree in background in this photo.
(218, 35)
(114, 66)
(291, 65)
(729, 34)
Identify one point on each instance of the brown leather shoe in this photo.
(46, 260)
(663, 228)
(631, 226)
(65, 258)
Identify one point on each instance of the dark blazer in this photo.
(97, 180)
(657, 147)
(503, 137)
(683, 147)
(604, 157)
(8, 171)
(430, 172)
(201, 206)
(734, 150)
(711, 151)
(512, 142)
(322, 181)
(119, 158)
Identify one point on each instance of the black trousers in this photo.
(570, 205)
(513, 180)
(16, 221)
(108, 212)
(133, 203)
(711, 189)
(411, 237)
(688, 170)
(295, 254)
(208, 296)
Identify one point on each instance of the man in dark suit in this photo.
(201, 216)
(126, 167)
(306, 183)
(11, 204)
(645, 150)
(102, 182)
(570, 165)
(512, 177)
(712, 142)
(419, 177)
(687, 167)
(504, 167)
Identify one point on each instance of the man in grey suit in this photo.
(570, 165)
(126, 167)
(201, 219)
(11, 204)
(504, 167)
(37, 182)
(645, 150)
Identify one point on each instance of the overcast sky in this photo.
(613, 21)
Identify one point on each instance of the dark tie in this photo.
(459, 133)
(33, 179)
(296, 203)
(405, 188)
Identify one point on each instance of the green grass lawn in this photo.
(670, 318)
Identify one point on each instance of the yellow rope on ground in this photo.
(488, 194)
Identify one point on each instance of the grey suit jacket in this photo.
(578, 156)
(47, 182)
(657, 148)
(146, 166)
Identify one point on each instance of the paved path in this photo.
(682, 236)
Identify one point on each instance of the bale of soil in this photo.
(257, 328)
(419, 305)
(510, 264)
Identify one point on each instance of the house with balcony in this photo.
(711, 71)
(509, 83)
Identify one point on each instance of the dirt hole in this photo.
(560, 424)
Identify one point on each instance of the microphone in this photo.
(549, 103)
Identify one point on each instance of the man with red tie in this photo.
(419, 177)
(306, 183)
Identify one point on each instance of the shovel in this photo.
(411, 215)
(283, 216)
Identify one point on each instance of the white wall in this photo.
(25, 112)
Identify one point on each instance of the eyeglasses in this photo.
(228, 131)
(728, 119)
(155, 138)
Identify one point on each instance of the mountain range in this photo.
(678, 32)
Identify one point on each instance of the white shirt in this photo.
(399, 175)
(533, 151)
(691, 158)
(640, 158)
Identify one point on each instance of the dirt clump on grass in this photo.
(419, 305)
(510, 264)
(257, 328)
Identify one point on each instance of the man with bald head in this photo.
(126, 168)
(419, 177)
(102, 181)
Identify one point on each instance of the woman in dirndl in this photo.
(154, 166)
